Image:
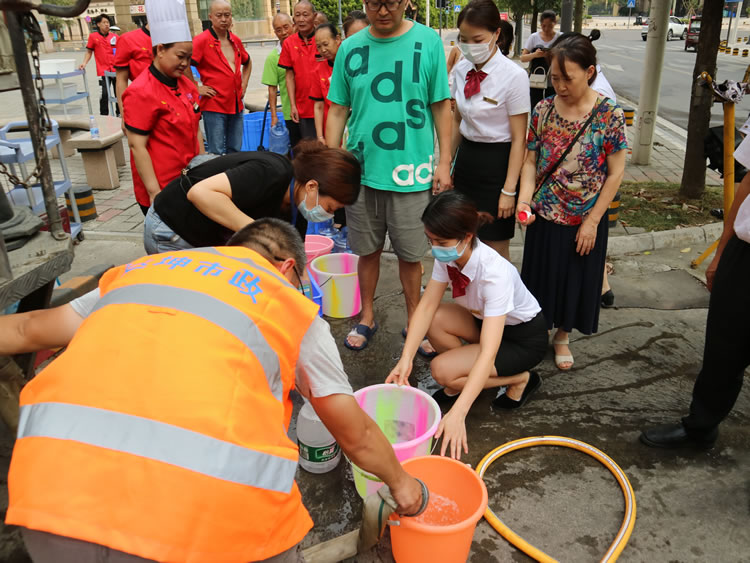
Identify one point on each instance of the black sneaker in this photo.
(608, 299)
(442, 398)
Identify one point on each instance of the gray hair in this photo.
(273, 239)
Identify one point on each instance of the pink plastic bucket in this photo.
(317, 245)
(409, 419)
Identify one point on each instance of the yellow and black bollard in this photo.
(85, 203)
(735, 51)
(614, 211)
(629, 116)
(745, 53)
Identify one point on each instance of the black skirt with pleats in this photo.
(567, 285)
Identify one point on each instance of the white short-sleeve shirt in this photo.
(485, 117)
(319, 369)
(535, 41)
(742, 221)
(495, 287)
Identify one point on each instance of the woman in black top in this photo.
(206, 204)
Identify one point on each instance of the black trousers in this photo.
(727, 350)
(106, 82)
(305, 129)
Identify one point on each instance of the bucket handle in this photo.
(422, 508)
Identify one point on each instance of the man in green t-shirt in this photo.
(273, 75)
(393, 77)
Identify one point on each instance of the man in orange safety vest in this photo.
(160, 434)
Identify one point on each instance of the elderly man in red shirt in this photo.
(298, 55)
(218, 54)
(102, 45)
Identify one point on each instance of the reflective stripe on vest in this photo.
(158, 441)
(209, 308)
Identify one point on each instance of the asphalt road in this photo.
(622, 55)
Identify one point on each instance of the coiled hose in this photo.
(623, 535)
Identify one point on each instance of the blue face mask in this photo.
(317, 214)
(447, 253)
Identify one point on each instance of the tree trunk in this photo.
(694, 171)
(518, 17)
(534, 17)
(578, 16)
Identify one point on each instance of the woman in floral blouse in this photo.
(573, 168)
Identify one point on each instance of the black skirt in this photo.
(480, 173)
(567, 285)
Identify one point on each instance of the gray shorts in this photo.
(399, 214)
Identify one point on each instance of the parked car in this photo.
(693, 32)
(676, 29)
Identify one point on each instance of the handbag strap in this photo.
(571, 145)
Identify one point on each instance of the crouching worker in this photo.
(493, 313)
(161, 433)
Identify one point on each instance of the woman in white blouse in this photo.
(493, 313)
(535, 53)
(489, 127)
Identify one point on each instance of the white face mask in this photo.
(477, 53)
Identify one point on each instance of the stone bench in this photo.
(102, 156)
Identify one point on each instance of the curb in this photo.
(114, 236)
(664, 239)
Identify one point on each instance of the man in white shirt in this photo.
(727, 354)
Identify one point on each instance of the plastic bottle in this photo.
(341, 241)
(278, 138)
(318, 450)
(93, 127)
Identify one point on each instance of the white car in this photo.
(677, 29)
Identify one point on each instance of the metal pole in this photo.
(440, 20)
(341, 21)
(728, 158)
(630, 13)
(648, 101)
(732, 36)
(26, 81)
(427, 19)
(729, 29)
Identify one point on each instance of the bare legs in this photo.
(451, 325)
(368, 270)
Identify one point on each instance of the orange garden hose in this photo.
(627, 523)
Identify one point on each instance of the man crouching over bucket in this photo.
(161, 433)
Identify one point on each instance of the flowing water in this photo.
(441, 511)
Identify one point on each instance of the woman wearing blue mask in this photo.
(212, 199)
(492, 335)
(489, 124)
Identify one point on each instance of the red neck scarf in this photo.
(473, 79)
(458, 281)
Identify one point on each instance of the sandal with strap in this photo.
(360, 330)
(421, 350)
(562, 358)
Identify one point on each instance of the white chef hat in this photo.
(168, 21)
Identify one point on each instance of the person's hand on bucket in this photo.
(452, 428)
(408, 494)
(400, 374)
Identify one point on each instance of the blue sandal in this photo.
(360, 330)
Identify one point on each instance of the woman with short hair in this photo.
(207, 203)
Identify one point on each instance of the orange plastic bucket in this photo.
(444, 532)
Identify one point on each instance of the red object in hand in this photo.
(523, 216)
